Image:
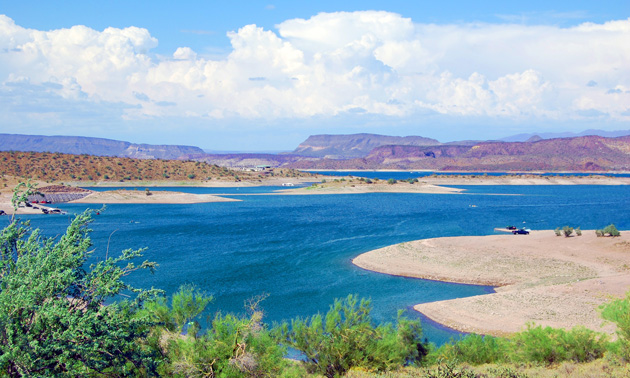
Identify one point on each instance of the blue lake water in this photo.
(297, 249)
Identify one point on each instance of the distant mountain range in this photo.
(527, 137)
(371, 151)
(93, 146)
(587, 153)
(354, 145)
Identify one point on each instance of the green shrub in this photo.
(346, 338)
(567, 231)
(473, 349)
(391, 181)
(611, 230)
(618, 312)
(558, 231)
(52, 318)
(578, 232)
(232, 347)
(599, 233)
(551, 345)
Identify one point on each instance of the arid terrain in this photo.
(540, 278)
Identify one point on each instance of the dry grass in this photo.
(602, 368)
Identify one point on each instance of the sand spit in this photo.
(140, 196)
(350, 188)
(541, 278)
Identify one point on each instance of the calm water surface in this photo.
(297, 249)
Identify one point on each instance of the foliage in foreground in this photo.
(540, 345)
(52, 317)
(346, 337)
(232, 346)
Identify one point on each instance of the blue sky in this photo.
(263, 75)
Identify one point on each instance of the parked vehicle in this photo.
(521, 231)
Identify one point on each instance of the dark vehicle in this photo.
(522, 231)
(511, 227)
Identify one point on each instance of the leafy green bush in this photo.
(473, 349)
(558, 231)
(550, 345)
(611, 230)
(233, 346)
(346, 338)
(391, 181)
(578, 232)
(618, 312)
(52, 318)
(567, 231)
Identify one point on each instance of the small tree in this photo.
(346, 338)
(233, 346)
(391, 181)
(578, 232)
(558, 231)
(52, 318)
(147, 192)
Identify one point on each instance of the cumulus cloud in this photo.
(357, 63)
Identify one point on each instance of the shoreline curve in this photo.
(538, 278)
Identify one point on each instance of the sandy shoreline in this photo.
(121, 196)
(360, 188)
(541, 278)
(140, 196)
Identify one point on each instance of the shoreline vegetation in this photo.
(539, 278)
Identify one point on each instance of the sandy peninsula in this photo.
(358, 188)
(118, 196)
(541, 278)
(155, 197)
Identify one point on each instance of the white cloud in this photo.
(360, 63)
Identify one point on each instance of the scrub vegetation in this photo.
(58, 167)
(61, 317)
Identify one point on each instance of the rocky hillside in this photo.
(58, 167)
(589, 153)
(93, 146)
(239, 161)
(354, 145)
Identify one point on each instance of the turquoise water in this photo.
(297, 249)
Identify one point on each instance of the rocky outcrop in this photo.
(354, 145)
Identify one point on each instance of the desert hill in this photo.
(58, 167)
(93, 146)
